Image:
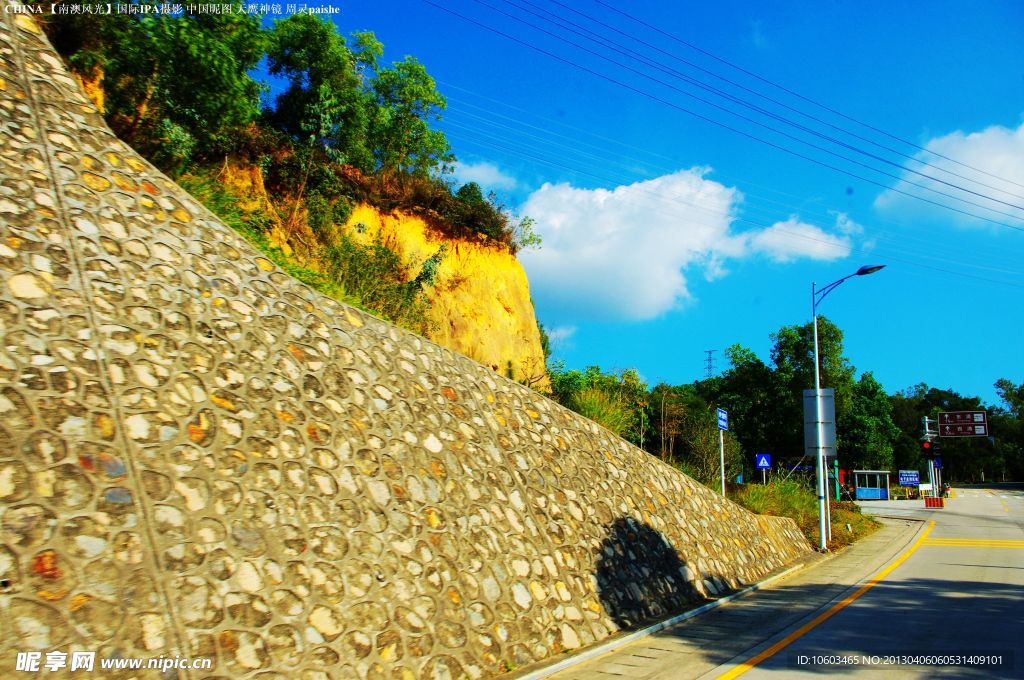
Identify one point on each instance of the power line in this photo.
(913, 261)
(720, 124)
(569, 25)
(481, 122)
(800, 96)
(761, 95)
(928, 251)
(573, 143)
(770, 115)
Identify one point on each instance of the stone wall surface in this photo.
(199, 456)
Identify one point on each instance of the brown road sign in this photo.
(963, 424)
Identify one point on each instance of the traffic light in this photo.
(928, 448)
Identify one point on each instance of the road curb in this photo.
(615, 643)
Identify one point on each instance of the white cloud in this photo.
(786, 241)
(560, 336)
(845, 225)
(623, 254)
(620, 253)
(487, 175)
(995, 150)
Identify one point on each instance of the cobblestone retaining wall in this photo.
(199, 456)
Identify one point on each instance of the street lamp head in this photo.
(869, 269)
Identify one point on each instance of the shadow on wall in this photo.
(639, 575)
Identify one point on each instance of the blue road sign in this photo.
(910, 478)
(763, 461)
(723, 419)
(938, 462)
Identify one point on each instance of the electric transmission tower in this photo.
(709, 363)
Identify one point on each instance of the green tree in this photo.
(407, 100)
(869, 434)
(1008, 427)
(793, 359)
(686, 434)
(756, 400)
(619, 401)
(700, 450)
(325, 104)
(1013, 396)
(765, 402)
(907, 410)
(175, 87)
(472, 212)
(964, 459)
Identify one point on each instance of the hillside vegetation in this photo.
(345, 129)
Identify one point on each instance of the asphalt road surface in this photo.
(953, 608)
(939, 598)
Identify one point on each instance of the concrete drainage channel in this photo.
(616, 643)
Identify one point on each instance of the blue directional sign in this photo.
(910, 478)
(938, 462)
(723, 419)
(763, 461)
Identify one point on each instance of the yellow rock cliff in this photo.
(480, 302)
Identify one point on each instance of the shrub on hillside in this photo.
(375, 277)
(796, 498)
(605, 408)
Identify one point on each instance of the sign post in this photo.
(763, 462)
(723, 425)
(820, 442)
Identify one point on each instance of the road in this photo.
(951, 586)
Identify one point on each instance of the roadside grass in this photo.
(796, 498)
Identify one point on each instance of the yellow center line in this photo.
(975, 543)
(960, 539)
(745, 666)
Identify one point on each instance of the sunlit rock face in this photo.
(200, 457)
(480, 301)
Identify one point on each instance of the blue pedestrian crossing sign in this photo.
(763, 461)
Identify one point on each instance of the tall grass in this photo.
(604, 408)
(796, 498)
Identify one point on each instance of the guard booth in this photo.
(871, 485)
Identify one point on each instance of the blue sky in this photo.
(666, 235)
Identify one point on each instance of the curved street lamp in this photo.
(824, 521)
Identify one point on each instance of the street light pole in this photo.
(819, 435)
(824, 520)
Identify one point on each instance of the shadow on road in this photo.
(642, 578)
(916, 617)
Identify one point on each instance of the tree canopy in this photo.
(180, 88)
(875, 430)
(174, 86)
